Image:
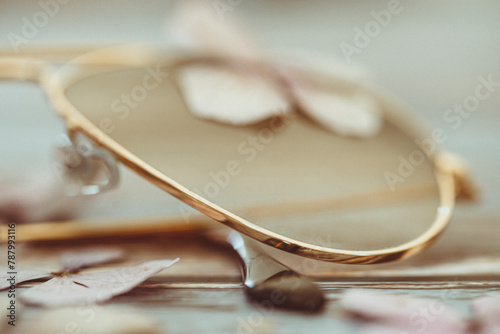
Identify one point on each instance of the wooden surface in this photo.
(203, 292)
(430, 55)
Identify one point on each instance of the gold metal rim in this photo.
(77, 122)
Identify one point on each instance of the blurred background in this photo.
(432, 55)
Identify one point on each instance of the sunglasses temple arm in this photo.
(87, 229)
(25, 69)
(51, 54)
(37, 64)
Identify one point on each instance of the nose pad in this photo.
(83, 168)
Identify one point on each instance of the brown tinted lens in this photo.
(288, 175)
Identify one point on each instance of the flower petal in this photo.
(486, 307)
(74, 260)
(121, 280)
(22, 275)
(36, 198)
(349, 115)
(410, 314)
(487, 313)
(61, 291)
(92, 288)
(230, 96)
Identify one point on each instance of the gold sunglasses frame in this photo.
(36, 68)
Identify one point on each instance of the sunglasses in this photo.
(285, 178)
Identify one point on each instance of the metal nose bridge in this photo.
(81, 177)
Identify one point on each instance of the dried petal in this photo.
(22, 275)
(487, 314)
(74, 260)
(122, 280)
(230, 96)
(81, 289)
(348, 115)
(354, 115)
(410, 314)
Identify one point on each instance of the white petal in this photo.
(22, 275)
(74, 260)
(230, 96)
(348, 115)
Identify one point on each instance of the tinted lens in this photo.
(288, 175)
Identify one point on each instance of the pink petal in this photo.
(74, 260)
(230, 96)
(414, 315)
(36, 198)
(490, 327)
(92, 288)
(486, 307)
(22, 275)
(487, 314)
